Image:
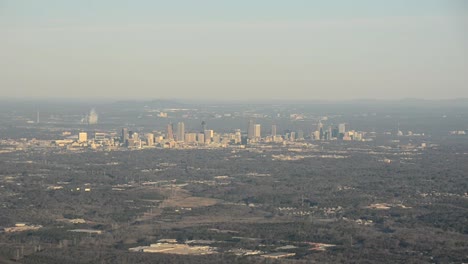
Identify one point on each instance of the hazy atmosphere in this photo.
(233, 132)
(238, 50)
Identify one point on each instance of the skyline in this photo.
(234, 51)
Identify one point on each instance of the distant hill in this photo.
(157, 103)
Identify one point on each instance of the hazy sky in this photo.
(242, 49)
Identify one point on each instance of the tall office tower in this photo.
(150, 139)
(170, 132)
(124, 137)
(181, 132)
(37, 118)
(251, 130)
(320, 129)
(203, 126)
(244, 140)
(238, 136)
(82, 137)
(335, 132)
(342, 128)
(292, 136)
(257, 131)
(93, 117)
(317, 135)
(191, 137)
(201, 138)
(329, 133)
(300, 135)
(273, 130)
(208, 136)
(216, 138)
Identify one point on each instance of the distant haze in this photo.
(240, 50)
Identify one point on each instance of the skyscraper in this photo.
(273, 130)
(251, 130)
(216, 138)
(170, 132)
(191, 137)
(181, 132)
(203, 126)
(257, 131)
(150, 139)
(335, 132)
(201, 138)
(317, 135)
(124, 136)
(92, 117)
(320, 130)
(238, 136)
(342, 128)
(208, 136)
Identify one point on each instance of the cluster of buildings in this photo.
(20, 227)
(176, 136)
(176, 248)
(337, 132)
(91, 118)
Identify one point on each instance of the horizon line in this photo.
(223, 100)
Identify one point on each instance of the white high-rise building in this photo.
(238, 136)
(150, 139)
(342, 128)
(208, 135)
(216, 138)
(93, 117)
(201, 138)
(191, 137)
(317, 135)
(257, 131)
